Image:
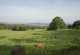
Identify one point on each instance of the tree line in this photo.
(19, 27)
(56, 24)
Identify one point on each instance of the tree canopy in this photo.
(56, 23)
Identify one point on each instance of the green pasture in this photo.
(56, 42)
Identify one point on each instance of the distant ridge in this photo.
(27, 24)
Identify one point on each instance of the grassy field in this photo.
(60, 42)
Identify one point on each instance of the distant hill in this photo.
(37, 24)
(27, 24)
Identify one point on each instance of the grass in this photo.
(57, 42)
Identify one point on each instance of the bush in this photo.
(69, 26)
(76, 24)
(19, 28)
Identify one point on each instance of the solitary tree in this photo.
(57, 23)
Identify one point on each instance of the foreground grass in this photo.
(60, 42)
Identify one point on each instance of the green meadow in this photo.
(59, 42)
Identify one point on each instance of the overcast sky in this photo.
(23, 11)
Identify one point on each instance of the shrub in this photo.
(76, 24)
(19, 28)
